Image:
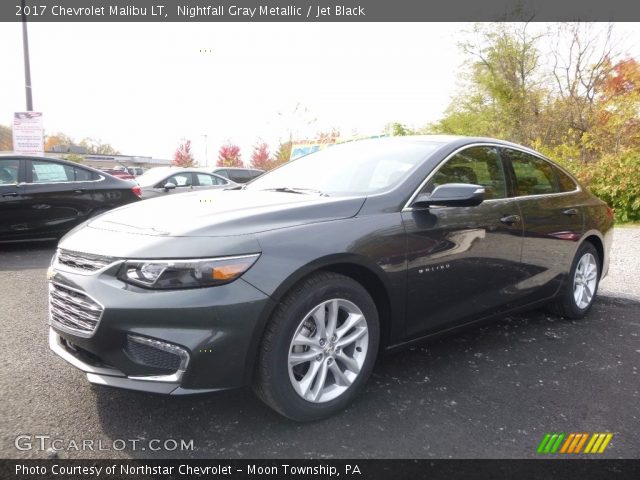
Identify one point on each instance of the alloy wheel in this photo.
(328, 350)
(585, 280)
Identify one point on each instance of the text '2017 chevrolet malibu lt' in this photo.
(295, 282)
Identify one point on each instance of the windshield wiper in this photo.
(303, 191)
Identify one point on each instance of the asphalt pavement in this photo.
(492, 392)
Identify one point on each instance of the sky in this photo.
(143, 87)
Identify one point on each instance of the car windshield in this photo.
(355, 168)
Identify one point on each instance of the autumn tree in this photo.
(183, 156)
(283, 154)
(616, 118)
(229, 156)
(6, 138)
(97, 147)
(260, 157)
(57, 139)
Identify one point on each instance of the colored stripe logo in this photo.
(573, 443)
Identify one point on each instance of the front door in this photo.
(463, 261)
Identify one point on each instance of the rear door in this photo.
(58, 196)
(463, 261)
(553, 221)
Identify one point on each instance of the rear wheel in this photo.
(581, 286)
(319, 348)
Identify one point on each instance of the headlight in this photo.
(191, 273)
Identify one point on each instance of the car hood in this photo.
(225, 213)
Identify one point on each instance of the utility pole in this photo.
(27, 66)
(206, 151)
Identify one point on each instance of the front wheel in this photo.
(577, 296)
(319, 348)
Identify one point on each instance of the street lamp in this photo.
(206, 151)
(27, 66)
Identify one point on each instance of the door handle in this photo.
(571, 211)
(10, 194)
(510, 219)
(79, 191)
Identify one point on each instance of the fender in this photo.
(326, 262)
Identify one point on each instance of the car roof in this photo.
(237, 168)
(54, 159)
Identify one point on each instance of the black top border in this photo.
(319, 10)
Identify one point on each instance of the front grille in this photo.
(142, 351)
(73, 311)
(83, 262)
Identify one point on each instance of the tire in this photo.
(295, 391)
(567, 304)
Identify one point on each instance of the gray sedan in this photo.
(169, 180)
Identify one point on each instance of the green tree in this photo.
(503, 91)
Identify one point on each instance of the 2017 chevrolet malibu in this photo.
(296, 282)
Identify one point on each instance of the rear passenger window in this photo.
(534, 176)
(475, 165)
(206, 180)
(50, 172)
(565, 182)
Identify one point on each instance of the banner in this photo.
(28, 134)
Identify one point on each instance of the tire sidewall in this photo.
(569, 298)
(282, 389)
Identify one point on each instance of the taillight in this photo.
(136, 190)
(610, 212)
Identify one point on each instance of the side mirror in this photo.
(452, 195)
(169, 186)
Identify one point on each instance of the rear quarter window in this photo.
(565, 182)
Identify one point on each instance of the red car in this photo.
(119, 173)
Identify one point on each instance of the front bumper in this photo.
(113, 377)
(212, 332)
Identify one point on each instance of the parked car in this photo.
(167, 180)
(238, 175)
(45, 197)
(135, 171)
(294, 283)
(119, 172)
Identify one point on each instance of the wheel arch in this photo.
(356, 267)
(595, 238)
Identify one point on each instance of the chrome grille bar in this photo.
(73, 311)
(82, 261)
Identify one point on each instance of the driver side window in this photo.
(180, 180)
(475, 165)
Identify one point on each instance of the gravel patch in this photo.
(622, 279)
